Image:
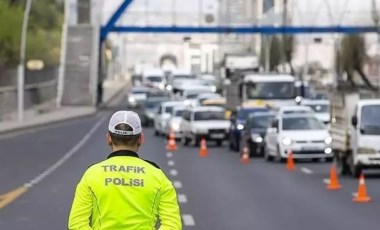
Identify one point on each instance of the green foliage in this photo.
(44, 31)
(10, 33)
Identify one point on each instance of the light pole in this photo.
(21, 66)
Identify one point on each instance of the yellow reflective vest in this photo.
(124, 192)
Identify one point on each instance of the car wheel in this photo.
(185, 141)
(355, 170)
(279, 157)
(219, 142)
(267, 156)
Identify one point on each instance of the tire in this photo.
(355, 170)
(252, 147)
(267, 157)
(341, 164)
(219, 142)
(156, 132)
(185, 141)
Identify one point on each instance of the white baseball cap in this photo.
(125, 117)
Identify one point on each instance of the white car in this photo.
(303, 134)
(207, 122)
(154, 78)
(163, 115)
(283, 110)
(321, 108)
(137, 95)
(175, 121)
(190, 94)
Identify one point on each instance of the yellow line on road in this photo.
(9, 197)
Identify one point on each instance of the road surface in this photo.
(216, 192)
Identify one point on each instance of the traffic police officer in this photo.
(124, 191)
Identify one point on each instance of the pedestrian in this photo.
(124, 191)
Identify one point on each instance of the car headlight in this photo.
(256, 138)
(286, 141)
(328, 140)
(169, 87)
(131, 100)
(364, 150)
(213, 89)
(240, 126)
(175, 126)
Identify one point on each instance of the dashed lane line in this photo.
(182, 198)
(326, 181)
(13, 195)
(188, 220)
(171, 163)
(173, 172)
(169, 154)
(306, 170)
(177, 184)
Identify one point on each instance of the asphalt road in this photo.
(216, 192)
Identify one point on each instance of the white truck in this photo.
(355, 131)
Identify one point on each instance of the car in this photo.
(154, 78)
(175, 121)
(190, 94)
(302, 134)
(163, 115)
(206, 122)
(220, 102)
(238, 119)
(137, 95)
(150, 107)
(255, 131)
(294, 109)
(321, 109)
(308, 90)
(204, 96)
(321, 96)
(158, 94)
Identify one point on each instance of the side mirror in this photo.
(354, 121)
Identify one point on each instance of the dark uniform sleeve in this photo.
(81, 210)
(168, 209)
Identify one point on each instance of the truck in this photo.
(355, 131)
(245, 83)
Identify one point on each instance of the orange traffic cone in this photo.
(334, 182)
(245, 156)
(203, 152)
(290, 166)
(171, 146)
(362, 196)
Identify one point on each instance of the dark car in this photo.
(255, 131)
(238, 119)
(149, 109)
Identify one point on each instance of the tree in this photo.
(351, 59)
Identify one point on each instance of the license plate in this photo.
(217, 136)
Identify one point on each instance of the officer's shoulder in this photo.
(93, 165)
(152, 163)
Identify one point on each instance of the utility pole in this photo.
(21, 66)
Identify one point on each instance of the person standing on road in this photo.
(124, 191)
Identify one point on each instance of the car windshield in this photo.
(168, 109)
(209, 115)
(192, 96)
(302, 123)
(243, 113)
(320, 108)
(152, 104)
(183, 76)
(308, 91)
(178, 113)
(154, 78)
(370, 120)
(139, 91)
(261, 122)
(295, 111)
(270, 90)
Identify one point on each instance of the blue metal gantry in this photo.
(111, 27)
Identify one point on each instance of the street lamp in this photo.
(21, 66)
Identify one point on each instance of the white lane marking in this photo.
(182, 198)
(169, 155)
(188, 220)
(66, 156)
(354, 194)
(173, 172)
(326, 181)
(177, 184)
(306, 170)
(171, 163)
